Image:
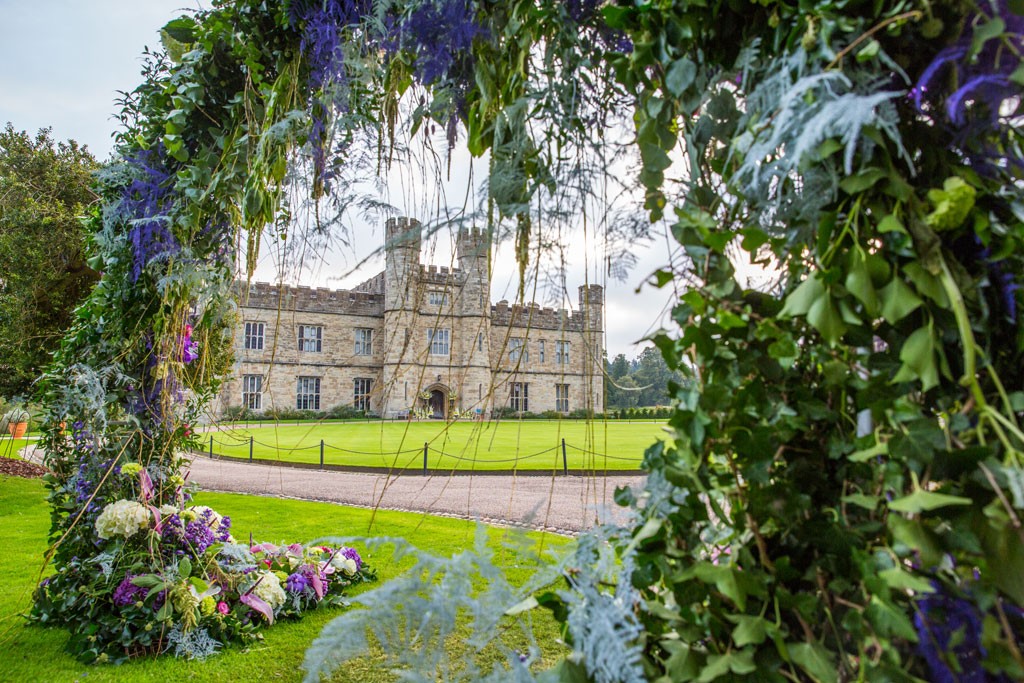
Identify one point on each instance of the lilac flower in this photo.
(128, 593)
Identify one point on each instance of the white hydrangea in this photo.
(345, 564)
(269, 590)
(122, 518)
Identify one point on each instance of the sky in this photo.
(65, 61)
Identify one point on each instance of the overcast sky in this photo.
(65, 61)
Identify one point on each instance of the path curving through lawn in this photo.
(557, 503)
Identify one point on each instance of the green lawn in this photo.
(525, 445)
(10, 448)
(33, 653)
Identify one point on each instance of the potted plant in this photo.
(16, 421)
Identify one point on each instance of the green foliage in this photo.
(44, 189)
(846, 452)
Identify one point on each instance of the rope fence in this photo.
(390, 459)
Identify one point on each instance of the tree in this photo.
(653, 374)
(44, 188)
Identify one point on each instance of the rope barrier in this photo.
(480, 460)
(417, 452)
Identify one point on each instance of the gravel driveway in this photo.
(564, 504)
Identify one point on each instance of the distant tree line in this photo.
(640, 382)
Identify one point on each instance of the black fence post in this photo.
(251, 439)
(426, 447)
(565, 460)
(211, 446)
(321, 453)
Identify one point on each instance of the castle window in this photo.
(364, 341)
(437, 298)
(440, 342)
(361, 394)
(252, 392)
(562, 352)
(307, 393)
(480, 341)
(562, 398)
(254, 336)
(311, 338)
(517, 349)
(541, 350)
(519, 400)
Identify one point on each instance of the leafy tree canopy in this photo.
(44, 190)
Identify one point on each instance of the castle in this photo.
(416, 340)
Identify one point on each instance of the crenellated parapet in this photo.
(266, 296)
(533, 316)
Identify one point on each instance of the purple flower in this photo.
(297, 582)
(189, 348)
(128, 593)
(970, 88)
(145, 203)
(352, 554)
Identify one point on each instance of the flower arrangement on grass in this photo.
(171, 577)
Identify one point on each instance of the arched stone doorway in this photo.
(437, 404)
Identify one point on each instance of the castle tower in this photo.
(473, 342)
(402, 291)
(592, 308)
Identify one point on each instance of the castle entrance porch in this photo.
(438, 404)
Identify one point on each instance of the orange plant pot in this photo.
(17, 429)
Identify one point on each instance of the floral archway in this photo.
(852, 437)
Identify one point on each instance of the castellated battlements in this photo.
(535, 317)
(264, 295)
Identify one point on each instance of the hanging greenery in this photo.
(842, 496)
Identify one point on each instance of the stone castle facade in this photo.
(416, 340)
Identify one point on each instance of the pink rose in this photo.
(222, 607)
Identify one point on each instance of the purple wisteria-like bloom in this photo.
(145, 203)
(965, 90)
(440, 33)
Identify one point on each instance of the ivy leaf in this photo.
(923, 501)
(738, 662)
(680, 76)
(898, 301)
(815, 660)
(898, 579)
(858, 282)
(918, 356)
(827, 319)
(891, 224)
(801, 299)
(889, 621)
(750, 630)
(863, 180)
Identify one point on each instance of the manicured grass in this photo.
(11, 448)
(34, 653)
(507, 445)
